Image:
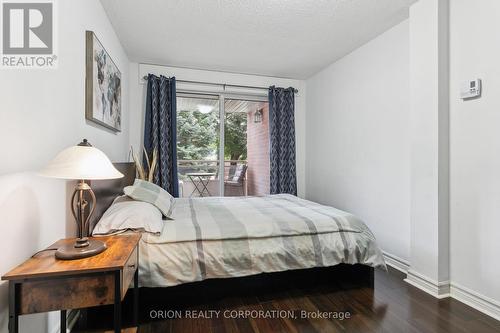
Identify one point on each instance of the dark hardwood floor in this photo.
(391, 306)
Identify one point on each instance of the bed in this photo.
(215, 238)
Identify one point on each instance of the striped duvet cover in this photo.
(237, 236)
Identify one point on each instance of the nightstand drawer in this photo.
(129, 270)
(66, 293)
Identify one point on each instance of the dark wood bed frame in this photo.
(210, 291)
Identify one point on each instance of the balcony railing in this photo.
(189, 166)
(184, 167)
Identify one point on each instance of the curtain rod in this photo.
(224, 85)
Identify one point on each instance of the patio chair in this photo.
(235, 184)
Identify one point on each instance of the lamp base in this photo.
(72, 251)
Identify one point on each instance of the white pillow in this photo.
(125, 214)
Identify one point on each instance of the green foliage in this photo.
(197, 135)
(235, 136)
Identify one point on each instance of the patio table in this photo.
(200, 181)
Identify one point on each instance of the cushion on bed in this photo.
(148, 192)
(127, 214)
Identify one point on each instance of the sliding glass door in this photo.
(246, 147)
(198, 140)
(222, 158)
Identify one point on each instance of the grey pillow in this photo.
(152, 193)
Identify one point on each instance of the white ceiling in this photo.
(283, 38)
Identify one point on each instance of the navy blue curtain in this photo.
(283, 177)
(160, 130)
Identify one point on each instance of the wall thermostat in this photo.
(470, 89)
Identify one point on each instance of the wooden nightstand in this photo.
(44, 283)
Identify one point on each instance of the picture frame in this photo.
(103, 85)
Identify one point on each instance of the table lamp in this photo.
(81, 162)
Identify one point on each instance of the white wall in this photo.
(42, 112)
(474, 148)
(138, 103)
(357, 146)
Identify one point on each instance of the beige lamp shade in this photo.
(81, 162)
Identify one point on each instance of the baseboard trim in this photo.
(444, 289)
(475, 300)
(436, 289)
(396, 262)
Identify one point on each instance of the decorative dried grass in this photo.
(148, 172)
(152, 168)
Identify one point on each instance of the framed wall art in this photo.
(103, 86)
